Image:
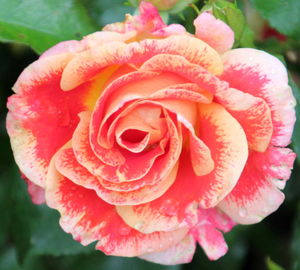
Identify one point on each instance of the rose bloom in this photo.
(148, 139)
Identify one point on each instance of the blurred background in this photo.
(30, 237)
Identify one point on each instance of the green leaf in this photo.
(247, 38)
(180, 6)
(5, 205)
(236, 21)
(296, 133)
(283, 15)
(273, 266)
(134, 3)
(165, 16)
(134, 264)
(106, 11)
(43, 23)
(92, 261)
(8, 259)
(177, 8)
(47, 237)
(296, 240)
(22, 213)
(35, 229)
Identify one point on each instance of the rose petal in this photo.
(180, 253)
(252, 113)
(172, 29)
(200, 156)
(208, 232)
(228, 145)
(180, 66)
(69, 46)
(102, 37)
(186, 91)
(267, 78)
(34, 140)
(256, 194)
(136, 244)
(212, 241)
(147, 219)
(37, 193)
(41, 72)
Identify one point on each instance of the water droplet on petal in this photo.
(124, 230)
(169, 207)
(191, 214)
(243, 212)
(64, 116)
(150, 249)
(139, 225)
(266, 210)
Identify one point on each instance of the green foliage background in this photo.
(30, 237)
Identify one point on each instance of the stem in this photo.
(194, 7)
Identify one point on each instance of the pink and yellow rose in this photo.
(148, 139)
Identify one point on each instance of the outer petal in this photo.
(212, 241)
(253, 114)
(88, 219)
(147, 219)
(37, 193)
(208, 232)
(180, 253)
(266, 77)
(88, 64)
(41, 117)
(41, 72)
(136, 243)
(69, 46)
(214, 32)
(101, 37)
(256, 194)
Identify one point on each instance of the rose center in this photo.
(133, 135)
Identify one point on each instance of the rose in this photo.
(146, 139)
